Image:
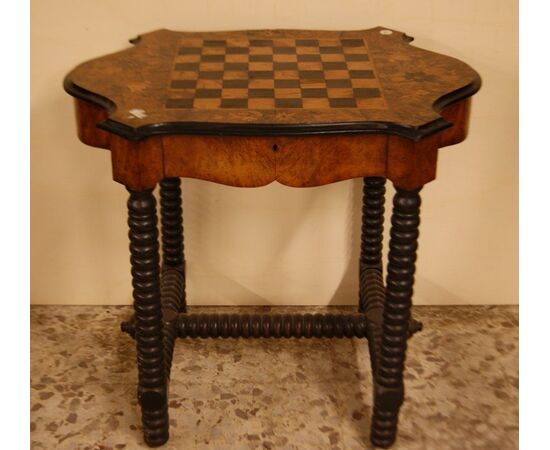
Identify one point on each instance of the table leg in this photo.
(172, 233)
(173, 264)
(388, 377)
(374, 190)
(145, 261)
(371, 284)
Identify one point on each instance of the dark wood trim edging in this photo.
(234, 129)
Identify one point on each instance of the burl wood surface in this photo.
(247, 108)
(273, 82)
(252, 161)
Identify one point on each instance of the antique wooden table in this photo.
(246, 108)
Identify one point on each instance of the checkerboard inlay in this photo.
(273, 74)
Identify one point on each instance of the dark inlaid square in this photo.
(288, 103)
(261, 74)
(261, 42)
(261, 93)
(287, 83)
(356, 57)
(214, 43)
(361, 74)
(179, 103)
(236, 50)
(213, 58)
(314, 93)
(352, 42)
(190, 50)
(307, 42)
(208, 93)
(343, 83)
(342, 103)
(234, 103)
(235, 84)
(285, 66)
(183, 84)
(309, 58)
(330, 50)
(334, 65)
(311, 74)
(366, 92)
(187, 66)
(284, 50)
(261, 58)
(236, 66)
(211, 75)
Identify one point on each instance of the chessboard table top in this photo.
(274, 82)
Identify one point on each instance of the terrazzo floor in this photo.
(461, 385)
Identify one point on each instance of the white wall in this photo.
(274, 244)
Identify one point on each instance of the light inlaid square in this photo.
(206, 103)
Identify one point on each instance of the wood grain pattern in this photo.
(231, 160)
(410, 164)
(459, 115)
(250, 161)
(87, 118)
(137, 165)
(317, 160)
(393, 87)
(292, 161)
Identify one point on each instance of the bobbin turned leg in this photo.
(371, 283)
(372, 227)
(388, 377)
(173, 264)
(172, 232)
(144, 250)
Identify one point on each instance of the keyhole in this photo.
(275, 147)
